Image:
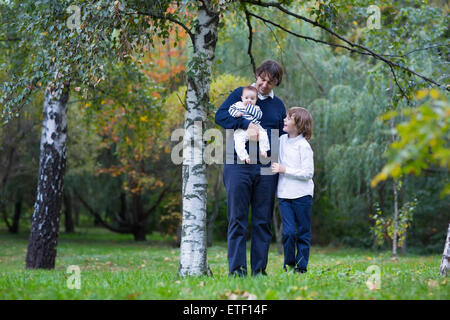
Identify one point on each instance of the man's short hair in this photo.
(272, 69)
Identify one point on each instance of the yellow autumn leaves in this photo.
(422, 141)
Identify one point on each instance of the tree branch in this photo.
(5, 217)
(369, 51)
(306, 37)
(98, 217)
(310, 73)
(153, 207)
(163, 17)
(398, 85)
(250, 40)
(418, 49)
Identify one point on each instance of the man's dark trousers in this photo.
(246, 186)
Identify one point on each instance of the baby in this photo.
(248, 109)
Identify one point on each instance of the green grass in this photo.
(115, 267)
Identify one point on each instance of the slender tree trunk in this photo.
(403, 197)
(395, 185)
(76, 209)
(394, 237)
(193, 258)
(138, 228)
(52, 163)
(68, 213)
(5, 215)
(446, 255)
(17, 214)
(123, 206)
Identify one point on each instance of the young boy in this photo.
(295, 188)
(248, 109)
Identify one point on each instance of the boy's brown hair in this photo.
(303, 121)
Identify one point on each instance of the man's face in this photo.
(249, 97)
(265, 84)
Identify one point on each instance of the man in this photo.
(244, 183)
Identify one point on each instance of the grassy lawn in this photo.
(115, 267)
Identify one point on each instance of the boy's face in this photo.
(249, 97)
(289, 125)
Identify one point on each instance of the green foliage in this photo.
(219, 90)
(423, 139)
(63, 51)
(384, 225)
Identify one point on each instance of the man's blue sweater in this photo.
(273, 111)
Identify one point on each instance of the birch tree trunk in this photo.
(193, 259)
(446, 255)
(41, 252)
(395, 185)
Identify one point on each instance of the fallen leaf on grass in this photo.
(432, 284)
(133, 295)
(238, 295)
(372, 285)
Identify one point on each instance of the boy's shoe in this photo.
(297, 270)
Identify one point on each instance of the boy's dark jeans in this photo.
(296, 220)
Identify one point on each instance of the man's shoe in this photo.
(288, 268)
(259, 273)
(237, 275)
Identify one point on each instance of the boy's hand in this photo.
(239, 114)
(278, 168)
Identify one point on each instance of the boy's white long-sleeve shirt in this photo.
(296, 155)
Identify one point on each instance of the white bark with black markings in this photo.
(52, 164)
(446, 255)
(193, 259)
